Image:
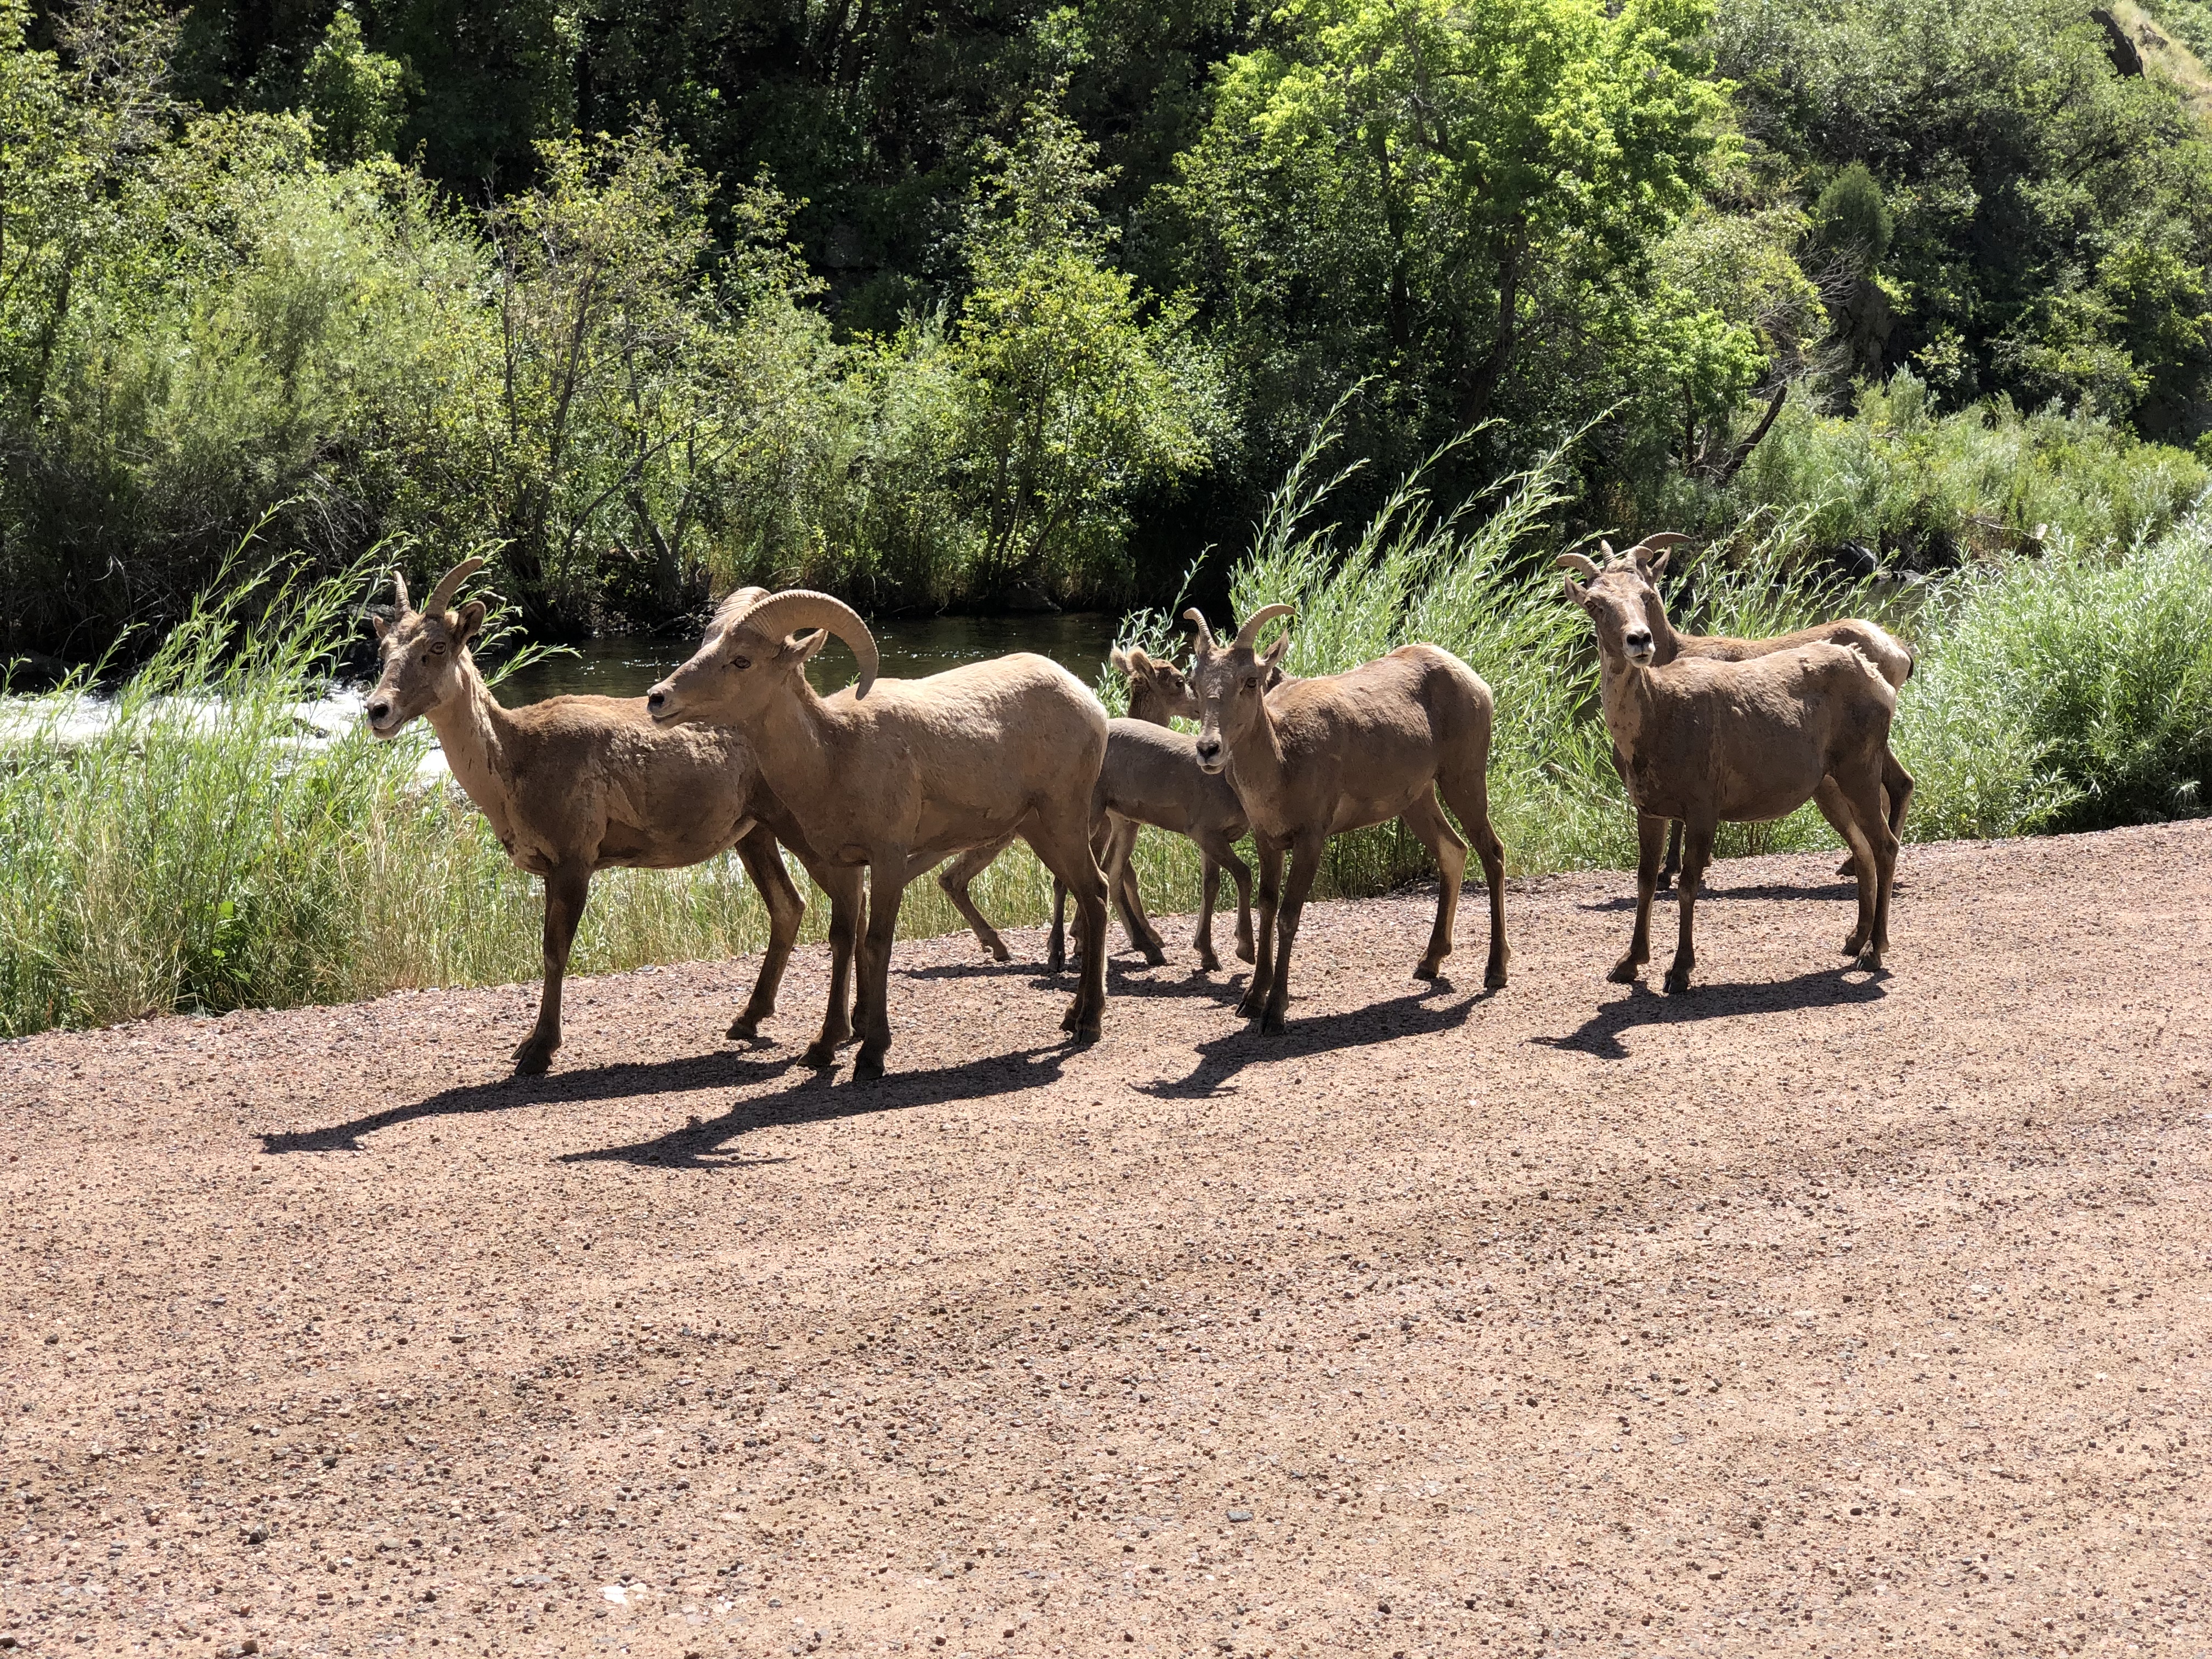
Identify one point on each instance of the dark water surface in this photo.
(624, 667)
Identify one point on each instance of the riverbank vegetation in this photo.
(933, 309)
(203, 849)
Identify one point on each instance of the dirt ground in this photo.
(1810, 1313)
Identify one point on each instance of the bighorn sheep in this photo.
(1890, 655)
(1705, 741)
(575, 785)
(897, 775)
(1313, 759)
(1149, 776)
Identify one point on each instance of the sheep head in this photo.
(756, 649)
(1613, 598)
(1158, 689)
(1231, 681)
(423, 651)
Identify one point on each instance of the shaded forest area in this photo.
(996, 305)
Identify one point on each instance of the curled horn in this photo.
(450, 584)
(399, 591)
(1658, 542)
(1258, 619)
(799, 609)
(1579, 563)
(1196, 618)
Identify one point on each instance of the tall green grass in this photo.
(197, 852)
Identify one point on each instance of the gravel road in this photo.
(1811, 1313)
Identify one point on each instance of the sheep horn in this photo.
(798, 609)
(1577, 561)
(1657, 542)
(1249, 634)
(450, 584)
(1196, 618)
(400, 592)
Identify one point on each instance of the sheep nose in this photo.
(656, 700)
(378, 710)
(1639, 639)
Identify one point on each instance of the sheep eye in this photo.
(741, 662)
(438, 649)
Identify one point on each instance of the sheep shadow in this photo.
(1823, 987)
(1417, 1013)
(1837, 889)
(708, 1144)
(622, 1080)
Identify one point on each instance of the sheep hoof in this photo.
(1853, 944)
(1253, 1006)
(1271, 1023)
(1627, 971)
(1155, 958)
(867, 1064)
(1055, 964)
(745, 1025)
(1678, 982)
(1000, 953)
(1209, 964)
(1870, 962)
(1427, 970)
(533, 1056)
(1244, 951)
(820, 1054)
(1494, 977)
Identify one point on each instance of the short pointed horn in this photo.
(399, 591)
(798, 609)
(450, 584)
(1258, 619)
(1579, 563)
(1196, 618)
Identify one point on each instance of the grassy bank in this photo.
(197, 852)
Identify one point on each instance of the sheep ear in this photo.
(1272, 658)
(1125, 662)
(799, 650)
(1577, 593)
(1655, 564)
(382, 626)
(469, 623)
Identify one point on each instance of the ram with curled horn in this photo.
(575, 784)
(1312, 758)
(1891, 657)
(895, 775)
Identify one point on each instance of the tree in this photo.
(1070, 398)
(1424, 189)
(354, 93)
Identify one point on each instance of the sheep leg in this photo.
(1697, 853)
(1672, 866)
(953, 881)
(1651, 837)
(1873, 851)
(1263, 960)
(765, 868)
(849, 913)
(1305, 865)
(1427, 820)
(566, 890)
(1128, 897)
(886, 891)
(1467, 791)
(1063, 843)
(1218, 854)
(1896, 789)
